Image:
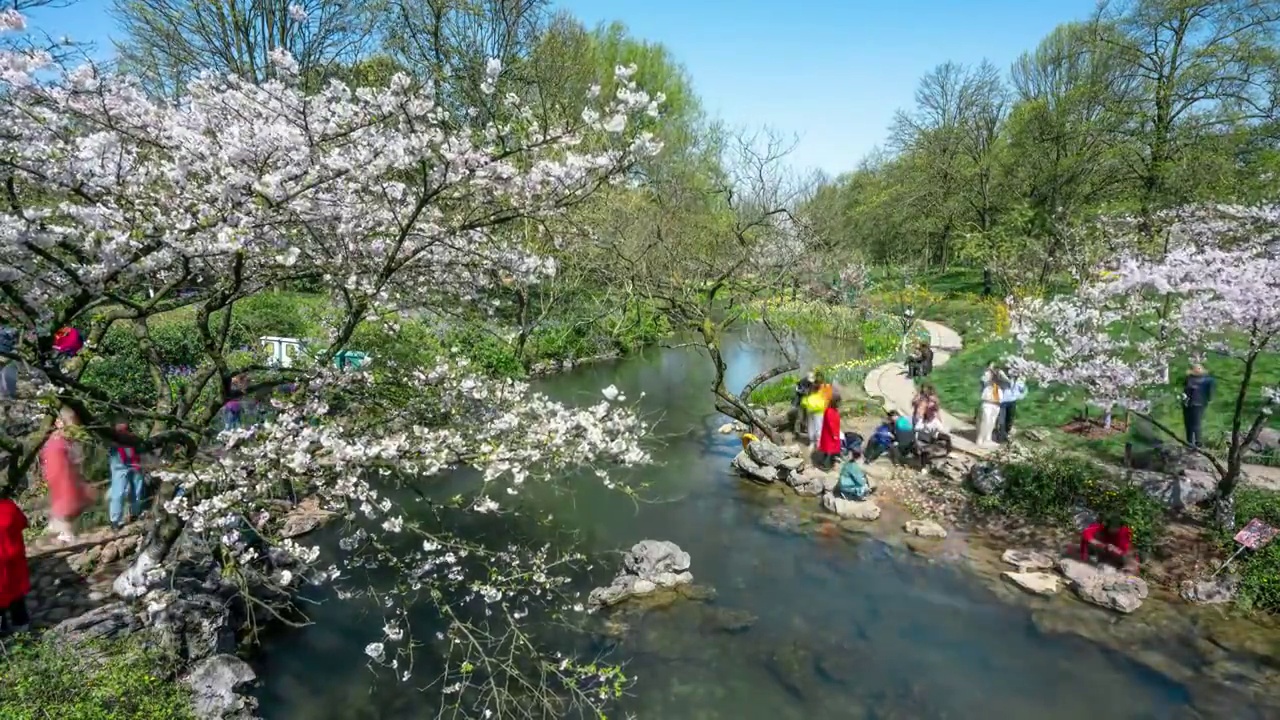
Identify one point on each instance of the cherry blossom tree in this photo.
(1213, 293)
(118, 207)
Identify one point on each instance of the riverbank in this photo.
(181, 645)
(1228, 661)
(1233, 658)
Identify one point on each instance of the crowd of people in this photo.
(922, 435)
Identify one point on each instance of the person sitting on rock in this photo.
(1109, 541)
(884, 436)
(853, 481)
(920, 364)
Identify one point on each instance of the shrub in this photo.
(112, 680)
(1053, 487)
(1259, 571)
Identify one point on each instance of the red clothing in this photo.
(829, 438)
(67, 341)
(15, 580)
(68, 493)
(129, 457)
(1122, 538)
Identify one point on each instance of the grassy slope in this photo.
(957, 381)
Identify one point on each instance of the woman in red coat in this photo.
(15, 580)
(829, 438)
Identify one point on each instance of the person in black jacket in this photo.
(807, 385)
(920, 364)
(1196, 394)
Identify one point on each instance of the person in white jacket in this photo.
(989, 414)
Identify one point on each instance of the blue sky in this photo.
(830, 71)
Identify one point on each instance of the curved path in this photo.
(890, 383)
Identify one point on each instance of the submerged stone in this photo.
(1038, 583)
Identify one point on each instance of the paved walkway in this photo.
(890, 383)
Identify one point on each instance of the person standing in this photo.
(1197, 392)
(1011, 391)
(989, 413)
(15, 577)
(830, 439)
(68, 492)
(806, 386)
(127, 481)
(815, 404)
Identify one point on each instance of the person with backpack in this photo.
(127, 481)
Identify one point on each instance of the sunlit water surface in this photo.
(845, 628)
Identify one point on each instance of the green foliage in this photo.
(1053, 486)
(121, 371)
(116, 680)
(489, 353)
(1259, 571)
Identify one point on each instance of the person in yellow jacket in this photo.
(815, 404)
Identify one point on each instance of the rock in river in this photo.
(1028, 560)
(766, 453)
(216, 683)
(854, 509)
(1213, 591)
(650, 566)
(749, 468)
(1038, 583)
(1104, 585)
(925, 529)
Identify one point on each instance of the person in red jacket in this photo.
(15, 579)
(829, 440)
(1109, 541)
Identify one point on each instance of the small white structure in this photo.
(283, 350)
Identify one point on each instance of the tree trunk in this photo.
(163, 531)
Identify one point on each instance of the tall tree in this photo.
(951, 138)
(1194, 66)
(166, 43)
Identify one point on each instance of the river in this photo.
(845, 626)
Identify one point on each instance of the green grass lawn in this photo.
(958, 385)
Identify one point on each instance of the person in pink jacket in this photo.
(69, 494)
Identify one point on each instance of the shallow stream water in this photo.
(845, 627)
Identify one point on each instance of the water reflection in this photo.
(845, 628)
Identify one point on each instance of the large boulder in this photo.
(1177, 492)
(851, 509)
(216, 685)
(650, 566)
(190, 626)
(766, 454)
(1105, 586)
(111, 621)
(1169, 459)
(752, 470)
(1268, 441)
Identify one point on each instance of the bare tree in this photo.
(166, 43)
(702, 252)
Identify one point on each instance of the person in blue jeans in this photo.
(127, 481)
